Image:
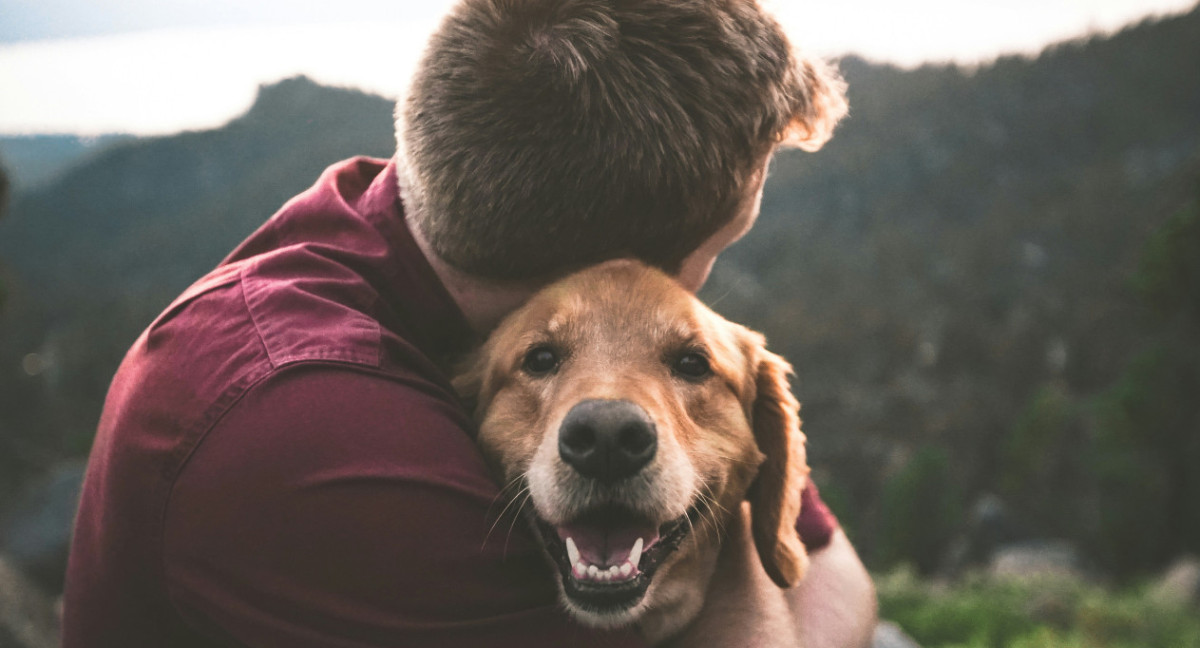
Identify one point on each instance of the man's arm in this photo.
(835, 604)
(833, 607)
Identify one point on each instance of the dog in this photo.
(635, 421)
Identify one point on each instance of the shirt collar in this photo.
(414, 291)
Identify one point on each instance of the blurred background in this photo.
(989, 281)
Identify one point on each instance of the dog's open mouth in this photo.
(607, 556)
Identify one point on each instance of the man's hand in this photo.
(832, 607)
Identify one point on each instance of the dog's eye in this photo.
(540, 361)
(692, 365)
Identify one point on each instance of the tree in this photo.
(922, 508)
(3, 204)
(1148, 432)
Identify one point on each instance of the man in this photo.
(281, 460)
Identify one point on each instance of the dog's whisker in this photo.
(717, 300)
(511, 499)
(523, 491)
(722, 457)
(692, 525)
(713, 499)
(492, 528)
(709, 511)
(513, 483)
(516, 516)
(710, 514)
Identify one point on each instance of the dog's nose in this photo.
(607, 439)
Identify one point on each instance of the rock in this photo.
(889, 635)
(27, 615)
(1180, 583)
(1036, 558)
(996, 540)
(990, 526)
(36, 534)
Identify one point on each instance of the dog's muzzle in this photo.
(608, 553)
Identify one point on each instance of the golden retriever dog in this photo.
(635, 421)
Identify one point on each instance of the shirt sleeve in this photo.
(342, 509)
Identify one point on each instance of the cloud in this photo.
(191, 64)
(29, 20)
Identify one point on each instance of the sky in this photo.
(161, 66)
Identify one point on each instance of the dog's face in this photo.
(629, 422)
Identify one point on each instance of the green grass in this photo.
(1047, 612)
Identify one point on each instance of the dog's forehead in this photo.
(618, 298)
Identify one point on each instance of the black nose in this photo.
(607, 439)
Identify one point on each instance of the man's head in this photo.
(541, 136)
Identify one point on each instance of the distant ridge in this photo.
(170, 207)
(34, 160)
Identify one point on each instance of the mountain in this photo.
(33, 160)
(164, 209)
(952, 276)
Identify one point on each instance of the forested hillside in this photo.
(956, 266)
(987, 282)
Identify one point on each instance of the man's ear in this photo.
(820, 106)
(775, 495)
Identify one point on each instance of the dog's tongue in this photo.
(608, 544)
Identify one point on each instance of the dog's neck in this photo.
(484, 302)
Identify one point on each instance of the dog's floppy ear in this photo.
(775, 495)
(468, 381)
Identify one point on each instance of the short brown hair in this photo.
(543, 135)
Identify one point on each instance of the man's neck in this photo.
(484, 302)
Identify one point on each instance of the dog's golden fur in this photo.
(618, 330)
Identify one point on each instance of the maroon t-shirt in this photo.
(282, 462)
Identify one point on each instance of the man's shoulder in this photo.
(259, 321)
(329, 281)
(236, 326)
(308, 307)
(349, 418)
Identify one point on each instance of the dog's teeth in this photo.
(635, 555)
(572, 551)
(580, 569)
(592, 571)
(626, 569)
(613, 572)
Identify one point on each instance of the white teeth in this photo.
(635, 554)
(572, 551)
(583, 570)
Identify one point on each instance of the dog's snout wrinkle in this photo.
(607, 440)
